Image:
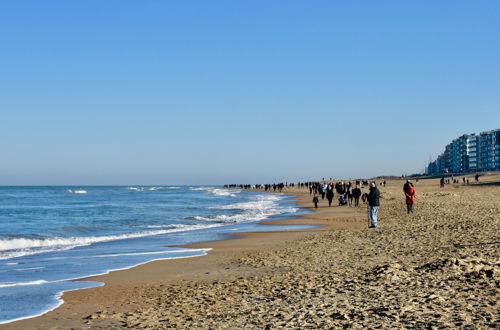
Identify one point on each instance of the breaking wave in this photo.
(260, 208)
(17, 247)
(218, 191)
(76, 191)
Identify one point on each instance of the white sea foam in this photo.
(76, 191)
(259, 202)
(254, 205)
(259, 208)
(149, 253)
(163, 188)
(225, 192)
(136, 188)
(26, 269)
(17, 247)
(218, 191)
(159, 226)
(237, 218)
(169, 226)
(38, 282)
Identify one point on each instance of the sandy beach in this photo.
(436, 268)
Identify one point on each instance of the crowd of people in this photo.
(452, 179)
(348, 193)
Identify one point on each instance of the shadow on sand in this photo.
(494, 183)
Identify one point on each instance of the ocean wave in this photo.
(253, 215)
(259, 202)
(259, 208)
(150, 253)
(160, 226)
(135, 188)
(217, 191)
(10, 284)
(200, 188)
(163, 188)
(237, 218)
(17, 247)
(26, 269)
(76, 191)
(225, 192)
(255, 205)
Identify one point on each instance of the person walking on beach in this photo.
(356, 193)
(374, 204)
(322, 192)
(329, 195)
(349, 195)
(410, 196)
(315, 201)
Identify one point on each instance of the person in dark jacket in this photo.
(356, 193)
(329, 195)
(315, 201)
(374, 204)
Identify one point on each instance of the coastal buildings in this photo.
(469, 153)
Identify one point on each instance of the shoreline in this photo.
(130, 274)
(419, 270)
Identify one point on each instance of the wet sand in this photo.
(438, 267)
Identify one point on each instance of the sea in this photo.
(52, 236)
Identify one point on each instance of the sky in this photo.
(210, 92)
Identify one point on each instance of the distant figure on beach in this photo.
(476, 177)
(356, 193)
(441, 183)
(315, 201)
(374, 204)
(329, 195)
(349, 195)
(463, 179)
(340, 187)
(410, 195)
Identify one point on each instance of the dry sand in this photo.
(436, 268)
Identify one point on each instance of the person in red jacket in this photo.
(410, 192)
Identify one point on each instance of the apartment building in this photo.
(469, 153)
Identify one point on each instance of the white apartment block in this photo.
(469, 153)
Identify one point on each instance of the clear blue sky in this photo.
(172, 92)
